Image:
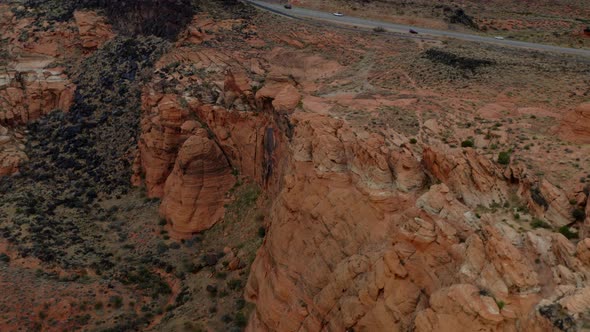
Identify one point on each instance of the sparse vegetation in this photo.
(579, 214)
(538, 223)
(568, 233)
(504, 158)
(469, 143)
(4, 258)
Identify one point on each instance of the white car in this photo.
(498, 37)
(337, 14)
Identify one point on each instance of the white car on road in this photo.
(500, 38)
(337, 14)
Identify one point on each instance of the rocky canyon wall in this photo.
(363, 235)
(367, 231)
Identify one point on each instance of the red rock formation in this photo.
(477, 178)
(93, 29)
(358, 236)
(196, 189)
(575, 125)
(347, 249)
(557, 208)
(162, 135)
(11, 150)
(29, 94)
(284, 96)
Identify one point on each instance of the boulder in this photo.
(196, 189)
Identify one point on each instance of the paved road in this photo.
(303, 13)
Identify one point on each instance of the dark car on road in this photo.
(288, 6)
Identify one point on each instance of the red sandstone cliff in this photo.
(31, 84)
(363, 235)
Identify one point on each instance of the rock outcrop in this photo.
(575, 125)
(347, 249)
(196, 189)
(162, 135)
(365, 233)
(477, 178)
(93, 29)
(11, 150)
(32, 91)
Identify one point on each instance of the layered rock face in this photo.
(347, 249)
(32, 91)
(162, 135)
(365, 232)
(171, 165)
(194, 192)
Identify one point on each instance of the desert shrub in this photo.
(240, 319)
(234, 284)
(567, 232)
(146, 280)
(98, 305)
(579, 214)
(4, 258)
(261, 231)
(504, 158)
(538, 223)
(467, 143)
(116, 301)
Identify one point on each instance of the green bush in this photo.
(538, 223)
(116, 301)
(234, 284)
(98, 305)
(467, 143)
(567, 232)
(4, 258)
(579, 214)
(504, 158)
(240, 319)
(413, 141)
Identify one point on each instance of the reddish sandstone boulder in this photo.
(196, 189)
(284, 96)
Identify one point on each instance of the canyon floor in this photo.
(205, 166)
